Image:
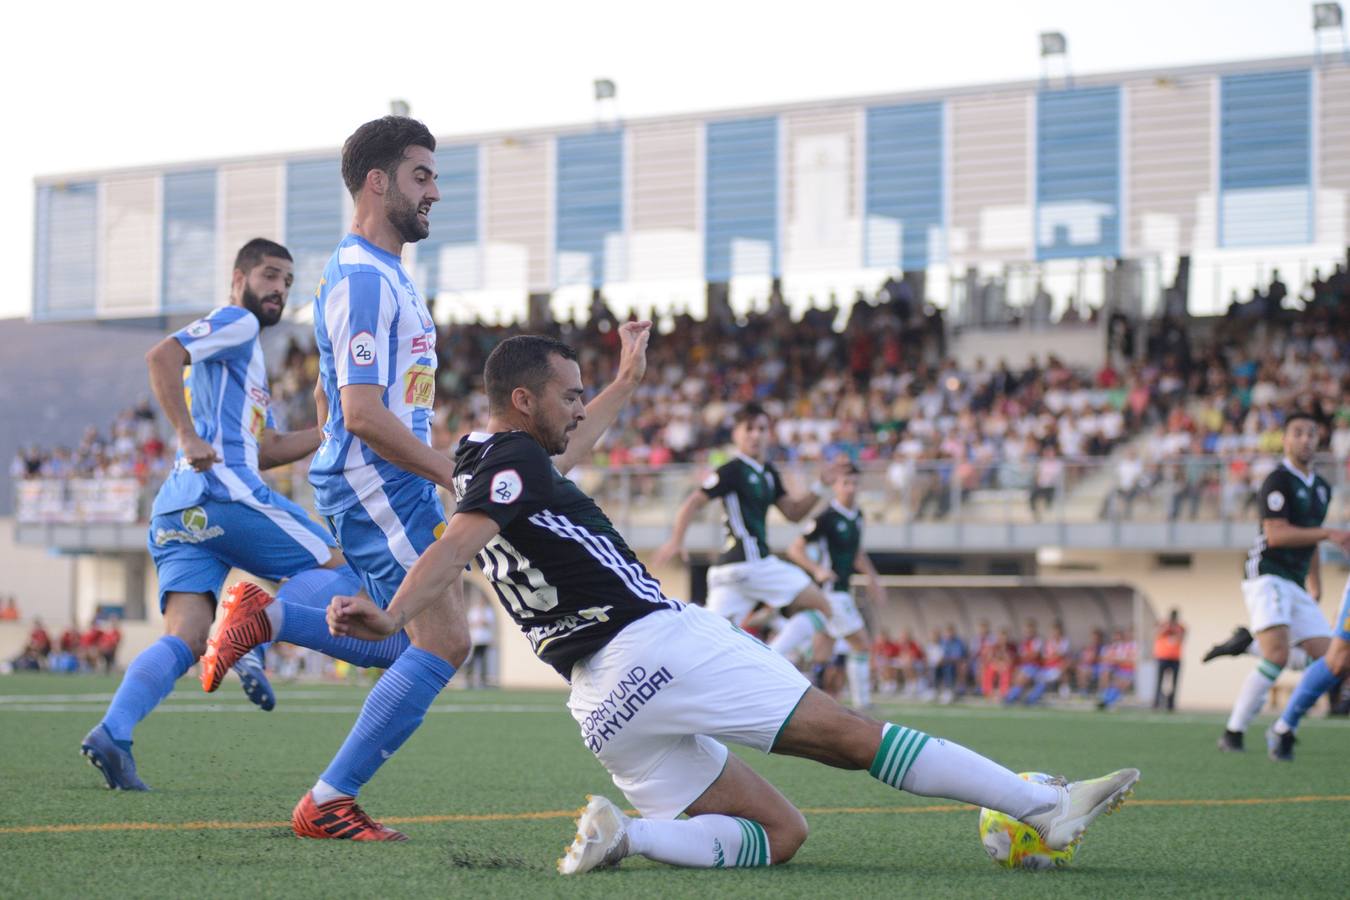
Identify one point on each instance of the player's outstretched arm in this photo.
(165, 362)
(368, 418)
(1279, 533)
(605, 408)
(796, 507)
(277, 448)
(863, 563)
(674, 545)
(796, 552)
(426, 582)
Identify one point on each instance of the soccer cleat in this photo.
(1280, 746)
(116, 764)
(253, 677)
(339, 819)
(601, 841)
(1236, 645)
(245, 625)
(1080, 803)
(1231, 742)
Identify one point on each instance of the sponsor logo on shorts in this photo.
(622, 704)
(362, 349)
(196, 529)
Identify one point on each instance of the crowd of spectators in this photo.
(994, 665)
(92, 650)
(130, 447)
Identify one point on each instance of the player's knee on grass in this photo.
(787, 837)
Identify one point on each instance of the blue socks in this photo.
(148, 680)
(1317, 680)
(1110, 697)
(304, 600)
(392, 712)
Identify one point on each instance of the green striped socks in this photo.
(754, 845)
(1269, 669)
(900, 746)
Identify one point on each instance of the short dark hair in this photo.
(748, 413)
(849, 467)
(251, 254)
(520, 361)
(1298, 414)
(380, 144)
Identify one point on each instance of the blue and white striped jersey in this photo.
(228, 396)
(371, 327)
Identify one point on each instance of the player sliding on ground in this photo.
(657, 684)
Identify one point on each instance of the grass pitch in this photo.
(487, 788)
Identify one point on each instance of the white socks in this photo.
(931, 767)
(324, 792)
(858, 668)
(703, 842)
(1252, 696)
(798, 630)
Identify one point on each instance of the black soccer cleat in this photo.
(1236, 645)
(1280, 746)
(1231, 742)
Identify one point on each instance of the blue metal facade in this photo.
(589, 206)
(1265, 159)
(188, 241)
(66, 251)
(740, 232)
(313, 219)
(906, 219)
(454, 219)
(1078, 173)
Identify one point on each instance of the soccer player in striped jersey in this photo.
(830, 551)
(654, 682)
(746, 574)
(375, 475)
(1283, 571)
(214, 511)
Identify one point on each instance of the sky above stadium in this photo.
(97, 85)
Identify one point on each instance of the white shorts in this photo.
(734, 589)
(844, 617)
(652, 702)
(1273, 601)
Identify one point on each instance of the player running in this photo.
(375, 475)
(1317, 679)
(656, 683)
(214, 512)
(1282, 611)
(830, 551)
(745, 574)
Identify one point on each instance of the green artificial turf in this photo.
(513, 754)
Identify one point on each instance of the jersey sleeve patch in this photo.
(506, 487)
(362, 349)
(1275, 501)
(710, 483)
(198, 329)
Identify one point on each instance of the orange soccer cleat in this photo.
(339, 819)
(245, 625)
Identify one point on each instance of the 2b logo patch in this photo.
(362, 348)
(506, 487)
(199, 329)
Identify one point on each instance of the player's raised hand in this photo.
(633, 338)
(359, 617)
(199, 454)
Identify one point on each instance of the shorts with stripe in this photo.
(844, 616)
(266, 534)
(1273, 601)
(655, 703)
(734, 589)
(383, 535)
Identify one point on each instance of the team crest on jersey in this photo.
(1275, 501)
(506, 487)
(362, 348)
(199, 329)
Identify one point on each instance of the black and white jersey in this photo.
(559, 567)
(747, 489)
(1301, 500)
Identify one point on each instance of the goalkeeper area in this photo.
(488, 788)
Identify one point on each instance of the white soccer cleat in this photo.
(602, 838)
(1080, 803)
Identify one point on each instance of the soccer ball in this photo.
(1016, 846)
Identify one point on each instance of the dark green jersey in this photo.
(836, 535)
(1302, 502)
(747, 489)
